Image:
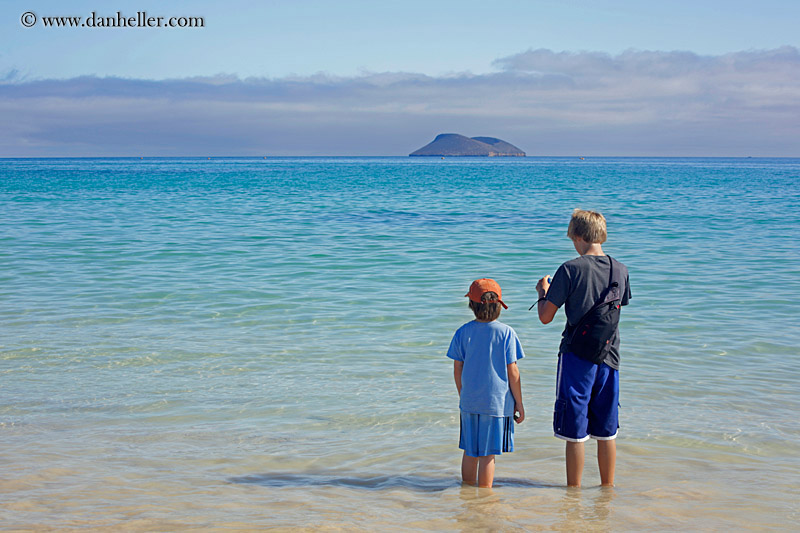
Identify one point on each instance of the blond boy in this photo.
(587, 394)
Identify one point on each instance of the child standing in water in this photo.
(485, 354)
(587, 392)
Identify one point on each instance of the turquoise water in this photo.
(251, 343)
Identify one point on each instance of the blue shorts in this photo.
(587, 400)
(483, 435)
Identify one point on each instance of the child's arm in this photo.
(547, 310)
(458, 367)
(516, 389)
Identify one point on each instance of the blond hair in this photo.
(587, 225)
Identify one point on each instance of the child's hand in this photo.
(519, 413)
(543, 286)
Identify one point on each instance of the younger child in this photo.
(485, 352)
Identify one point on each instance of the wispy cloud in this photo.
(546, 102)
(648, 86)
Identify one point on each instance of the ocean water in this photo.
(240, 344)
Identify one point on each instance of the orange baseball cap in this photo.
(480, 286)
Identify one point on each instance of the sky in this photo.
(309, 77)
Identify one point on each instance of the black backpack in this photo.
(590, 338)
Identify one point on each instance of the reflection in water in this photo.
(481, 509)
(513, 503)
(496, 509)
(318, 479)
(588, 508)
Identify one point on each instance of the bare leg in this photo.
(574, 463)
(607, 460)
(469, 470)
(486, 471)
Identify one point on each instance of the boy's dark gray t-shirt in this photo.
(578, 283)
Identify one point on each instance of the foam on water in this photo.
(245, 343)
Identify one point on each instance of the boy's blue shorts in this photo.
(483, 435)
(587, 400)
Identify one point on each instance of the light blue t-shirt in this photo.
(486, 348)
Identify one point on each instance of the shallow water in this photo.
(248, 343)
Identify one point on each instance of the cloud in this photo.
(597, 67)
(546, 102)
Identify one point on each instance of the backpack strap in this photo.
(611, 282)
(603, 295)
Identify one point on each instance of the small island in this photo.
(453, 144)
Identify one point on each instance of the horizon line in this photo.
(211, 157)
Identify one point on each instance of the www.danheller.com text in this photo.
(141, 20)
